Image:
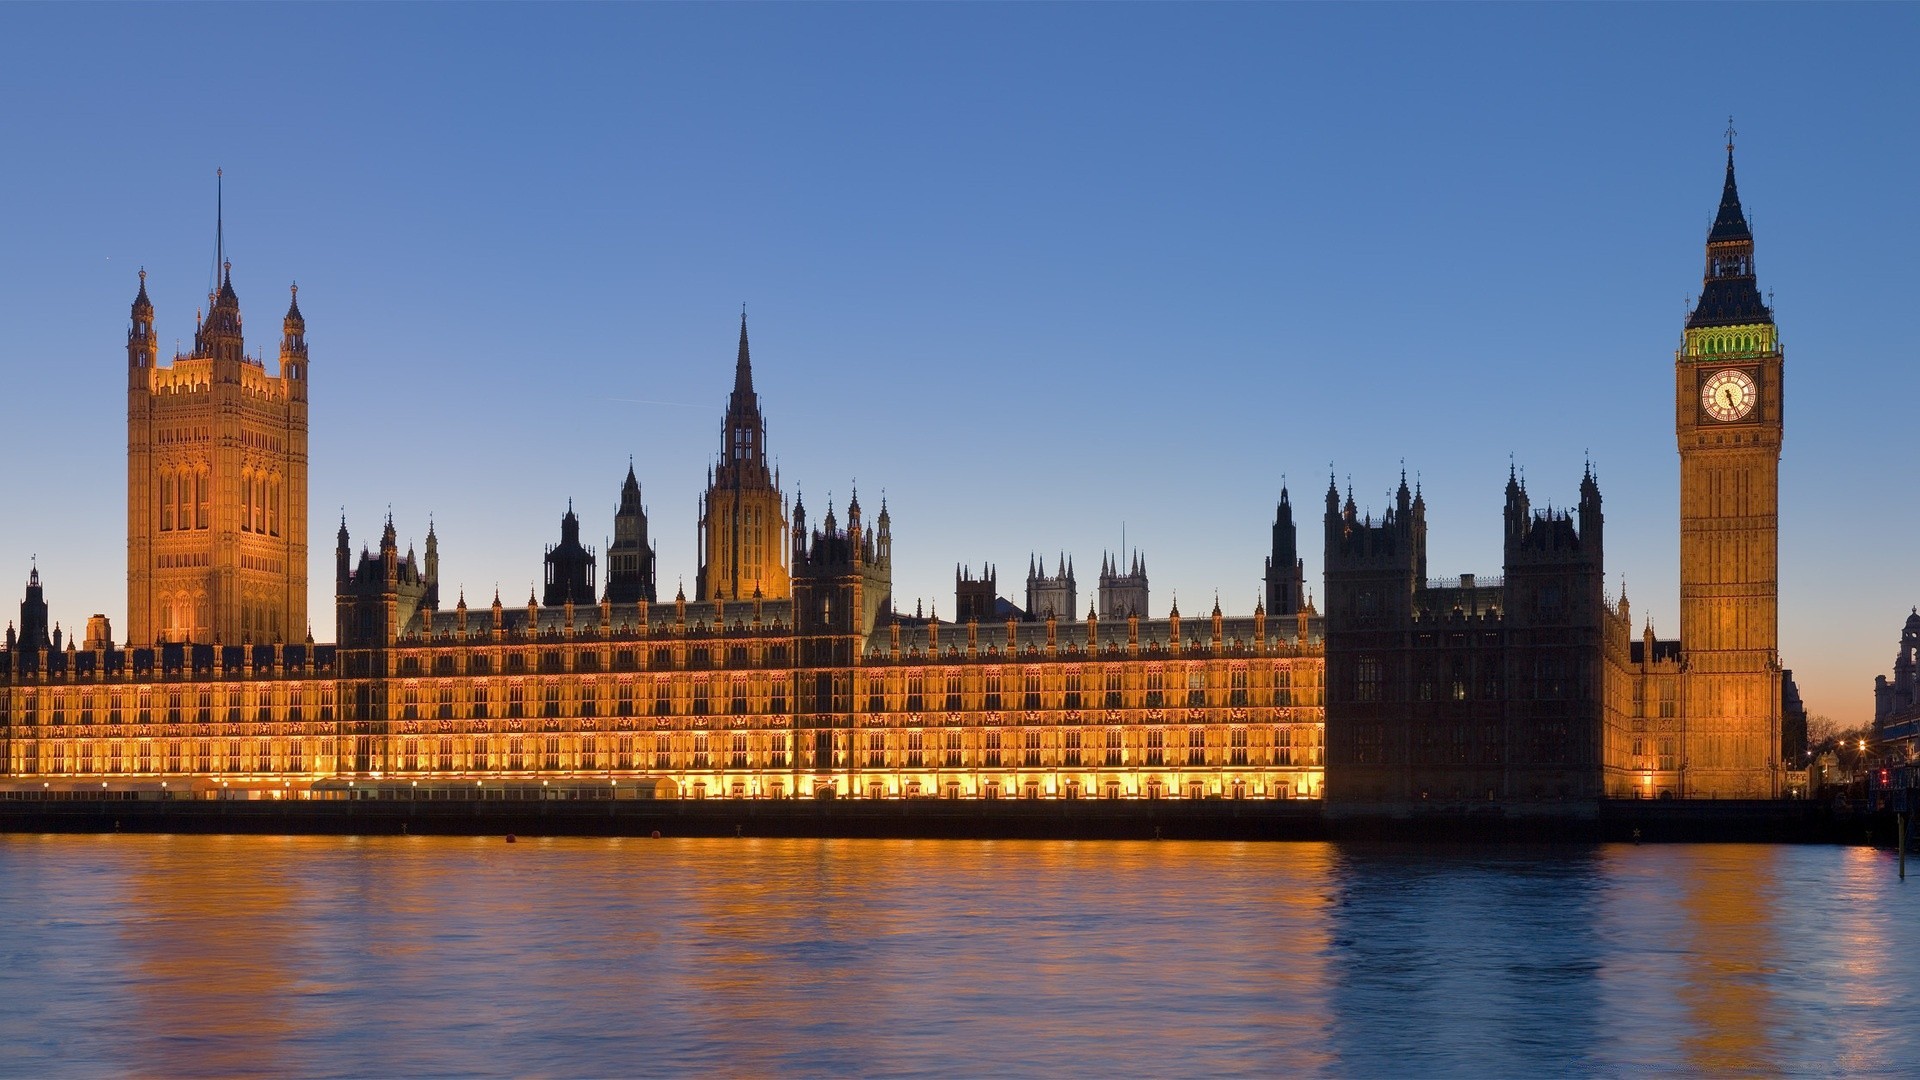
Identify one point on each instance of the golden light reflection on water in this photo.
(200, 955)
(1728, 898)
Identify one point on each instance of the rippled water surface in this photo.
(199, 955)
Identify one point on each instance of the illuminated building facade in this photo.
(216, 482)
(790, 675)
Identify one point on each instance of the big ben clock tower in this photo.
(1728, 395)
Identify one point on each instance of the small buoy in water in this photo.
(656, 834)
(511, 840)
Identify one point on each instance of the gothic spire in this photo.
(743, 366)
(1731, 222)
(1730, 294)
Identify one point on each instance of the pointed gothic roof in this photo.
(743, 367)
(1730, 293)
(1731, 222)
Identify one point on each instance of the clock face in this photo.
(1728, 395)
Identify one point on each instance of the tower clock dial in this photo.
(1728, 395)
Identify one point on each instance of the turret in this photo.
(1590, 517)
(293, 341)
(33, 615)
(433, 569)
(1286, 573)
(1518, 508)
(630, 558)
(569, 565)
(142, 348)
(342, 555)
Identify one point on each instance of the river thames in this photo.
(330, 956)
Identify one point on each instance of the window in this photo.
(1238, 747)
(993, 690)
(1156, 688)
(1031, 755)
(916, 692)
(1031, 696)
(1156, 747)
(1073, 690)
(953, 690)
(953, 749)
(993, 750)
(1196, 746)
(1113, 747)
(1113, 689)
(1196, 688)
(1237, 687)
(1368, 681)
(738, 755)
(916, 746)
(663, 751)
(876, 749)
(700, 752)
(777, 757)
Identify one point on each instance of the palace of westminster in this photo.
(791, 674)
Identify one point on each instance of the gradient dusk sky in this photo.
(1039, 273)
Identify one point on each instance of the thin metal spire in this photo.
(219, 225)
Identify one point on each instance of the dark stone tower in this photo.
(976, 599)
(570, 567)
(630, 559)
(33, 616)
(842, 588)
(1123, 593)
(1286, 573)
(1052, 594)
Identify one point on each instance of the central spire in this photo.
(743, 367)
(1730, 224)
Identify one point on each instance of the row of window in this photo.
(661, 658)
(261, 703)
(1551, 678)
(696, 751)
(116, 756)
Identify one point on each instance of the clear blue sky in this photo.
(1035, 271)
